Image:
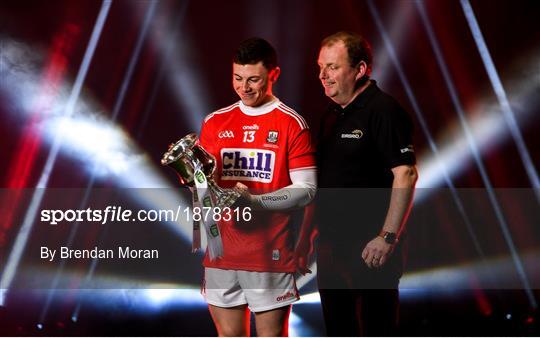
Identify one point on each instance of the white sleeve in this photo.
(296, 195)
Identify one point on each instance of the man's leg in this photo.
(380, 310)
(273, 323)
(231, 322)
(341, 312)
(269, 296)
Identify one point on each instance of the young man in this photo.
(262, 148)
(365, 142)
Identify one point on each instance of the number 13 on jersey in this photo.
(249, 136)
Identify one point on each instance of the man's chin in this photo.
(329, 92)
(250, 103)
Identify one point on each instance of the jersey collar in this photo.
(260, 110)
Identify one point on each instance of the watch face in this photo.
(390, 238)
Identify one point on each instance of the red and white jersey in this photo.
(257, 147)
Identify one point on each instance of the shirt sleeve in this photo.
(393, 135)
(296, 195)
(300, 149)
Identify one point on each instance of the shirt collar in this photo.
(260, 110)
(360, 100)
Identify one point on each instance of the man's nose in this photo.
(245, 86)
(322, 73)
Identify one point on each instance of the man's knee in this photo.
(231, 321)
(273, 323)
(272, 331)
(228, 330)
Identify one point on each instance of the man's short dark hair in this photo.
(358, 48)
(253, 50)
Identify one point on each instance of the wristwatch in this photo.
(389, 237)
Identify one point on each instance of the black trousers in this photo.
(357, 300)
(367, 312)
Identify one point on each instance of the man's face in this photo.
(253, 83)
(336, 74)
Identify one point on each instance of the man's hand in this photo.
(376, 252)
(246, 198)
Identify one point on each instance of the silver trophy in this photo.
(187, 157)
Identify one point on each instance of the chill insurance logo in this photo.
(247, 164)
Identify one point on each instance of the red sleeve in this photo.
(301, 149)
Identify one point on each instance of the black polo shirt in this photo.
(359, 145)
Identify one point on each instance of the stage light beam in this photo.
(22, 237)
(476, 153)
(500, 92)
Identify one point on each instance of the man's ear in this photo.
(362, 70)
(274, 74)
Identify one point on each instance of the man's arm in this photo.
(377, 251)
(296, 195)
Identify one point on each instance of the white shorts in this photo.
(261, 291)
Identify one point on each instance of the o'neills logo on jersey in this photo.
(251, 127)
(247, 164)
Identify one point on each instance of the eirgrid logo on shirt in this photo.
(247, 164)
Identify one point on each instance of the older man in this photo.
(365, 142)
